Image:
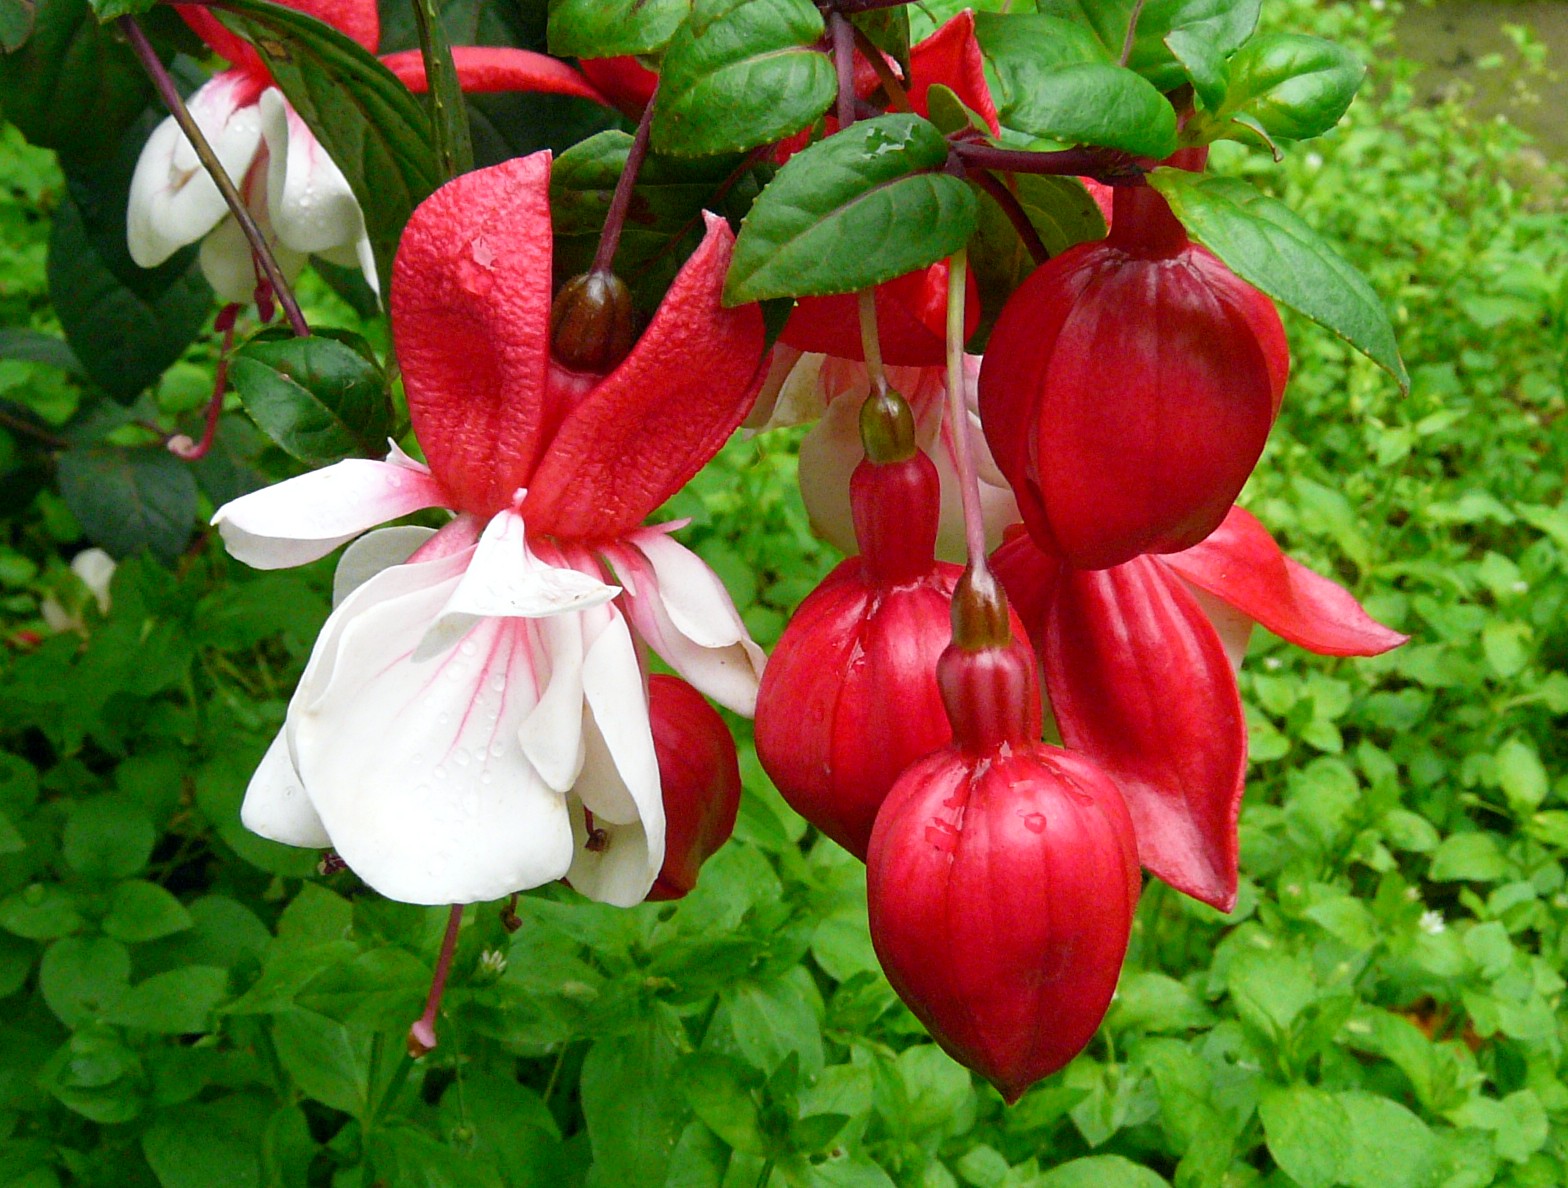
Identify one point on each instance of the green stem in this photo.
(448, 115)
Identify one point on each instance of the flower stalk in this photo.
(422, 1033)
(621, 201)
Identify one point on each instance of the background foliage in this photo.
(188, 1005)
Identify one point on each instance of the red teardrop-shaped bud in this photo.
(1001, 888)
(1128, 389)
(896, 508)
(700, 778)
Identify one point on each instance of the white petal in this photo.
(276, 806)
(372, 553)
(304, 518)
(782, 360)
(506, 578)
(1231, 625)
(684, 612)
(620, 779)
(230, 268)
(415, 768)
(552, 735)
(828, 457)
(312, 207)
(96, 569)
(998, 507)
(173, 201)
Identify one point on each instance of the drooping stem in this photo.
(897, 97)
(1132, 32)
(958, 413)
(843, 34)
(448, 115)
(169, 93)
(422, 1034)
(182, 446)
(870, 342)
(1016, 215)
(621, 201)
(1107, 165)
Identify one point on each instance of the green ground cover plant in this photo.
(188, 1005)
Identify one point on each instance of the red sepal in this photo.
(239, 52)
(359, 19)
(911, 320)
(1140, 683)
(1240, 564)
(699, 779)
(484, 68)
(951, 56)
(626, 81)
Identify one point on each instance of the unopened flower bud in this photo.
(887, 427)
(980, 612)
(593, 325)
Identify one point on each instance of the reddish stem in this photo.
(897, 97)
(1016, 215)
(843, 34)
(620, 203)
(1111, 166)
(220, 383)
(422, 1034)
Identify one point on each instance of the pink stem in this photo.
(958, 414)
(220, 383)
(422, 1034)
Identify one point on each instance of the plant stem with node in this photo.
(448, 115)
(847, 7)
(1016, 215)
(870, 343)
(621, 201)
(164, 85)
(897, 97)
(843, 35)
(1112, 166)
(422, 1034)
(181, 446)
(1132, 32)
(958, 413)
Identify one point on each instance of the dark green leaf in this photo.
(11, 842)
(859, 208)
(1294, 87)
(740, 74)
(72, 87)
(1223, 24)
(108, 10)
(34, 346)
(888, 30)
(142, 911)
(130, 499)
(607, 28)
(370, 125)
(40, 911)
(81, 977)
(17, 18)
(126, 324)
(97, 1076)
(1268, 245)
(1306, 1131)
(179, 1002)
(317, 397)
(448, 113)
(108, 837)
(633, 1119)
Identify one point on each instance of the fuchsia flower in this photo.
(699, 775)
(1139, 662)
(473, 719)
(299, 198)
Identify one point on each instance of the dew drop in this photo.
(1034, 822)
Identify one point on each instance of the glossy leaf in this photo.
(607, 28)
(317, 397)
(108, 10)
(859, 208)
(1295, 87)
(130, 499)
(1268, 245)
(370, 125)
(1223, 24)
(1057, 82)
(741, 74)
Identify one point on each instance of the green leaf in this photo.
(1222, 24)
(34, 346)
(130, 499)
(108, 10)
(82, 977)
(108, 837)
(142, 911)
(741, 73)
(179, 1002)
(1521, 775)
(1293, 86)
(73, 86)
(1269, 990)
(720, 1089)
(859, 208)
(448, 114)
(318, 397)
(776, 1021)
(1305, 1129)
(96, 1076)
(1468, 857)
(17, 18)
(633, 1117)
(1100, 1171)
(1389, 1146)
(40, 911)
(11, 842)
(329, 1062)
(369, 123)
(1268, 245)
(200, 1146)
(1056, 82)
(607, 28)
(124, 323)
(1204, 66)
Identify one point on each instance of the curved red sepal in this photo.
(699, 780)
(1140, 683)
(1028, 578)
(951, 56)
(911, 320)
(471, 325)
(626, 81)
(1240, 564)
(359, 19)
(239, 52)
(655, 420)
(486, 68)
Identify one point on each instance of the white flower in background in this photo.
(94, 568)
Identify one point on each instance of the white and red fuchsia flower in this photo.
(299, 198)
(474, 717)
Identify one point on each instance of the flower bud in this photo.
(700, 779)
(1128, 389)
(1001, 886)
(593, 325)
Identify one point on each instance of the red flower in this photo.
(1128, 389)
(1139, 672)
